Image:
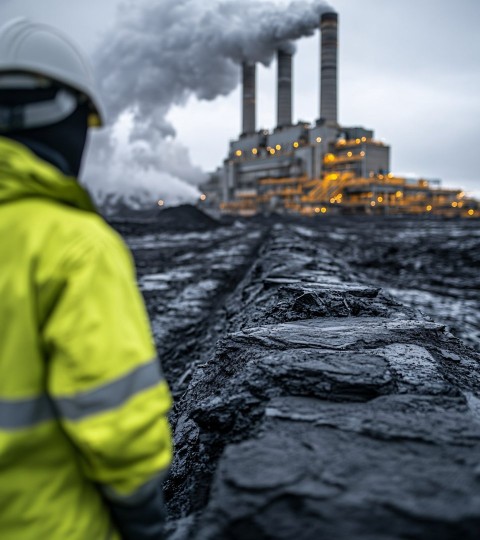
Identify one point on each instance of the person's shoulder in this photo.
(91, 234)
(81, 225)
(74, 234)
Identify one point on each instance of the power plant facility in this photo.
(318, 168)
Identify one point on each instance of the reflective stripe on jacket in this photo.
(82, 401)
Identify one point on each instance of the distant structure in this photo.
(315, 169)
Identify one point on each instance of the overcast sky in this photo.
(409, 69)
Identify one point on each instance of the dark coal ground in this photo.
(289, 344)
(429, 264)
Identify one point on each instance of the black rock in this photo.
(309, 403)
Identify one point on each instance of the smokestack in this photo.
(249, 71)
(284, 88)
(328, 67)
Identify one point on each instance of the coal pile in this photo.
(183, 218)
(310, 403)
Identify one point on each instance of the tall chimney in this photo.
(284, 88)
(328, 67)
(249, 72)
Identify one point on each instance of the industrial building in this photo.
(318, 168)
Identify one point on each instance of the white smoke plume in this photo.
(157, 55)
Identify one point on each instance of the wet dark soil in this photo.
(313, 399)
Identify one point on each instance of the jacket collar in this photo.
(25, 175)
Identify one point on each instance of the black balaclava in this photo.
(62, 143)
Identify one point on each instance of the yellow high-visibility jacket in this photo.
(82, 401)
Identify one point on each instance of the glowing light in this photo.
(460, 205)
(329, 158)
(398, 194)
(318, 139)
(332, 200)
(160, 202)
(295, 144)
(238, 153)
(380, 199)
(349, 154)
(203, 197)
(380, 176)
(471, 212)
(272, 151)
(362, 153)
(429, 208)
(372, 203)
(461, 195)
(390, 175)
(278, 147)
(364, 139)
(317, 210)
(454, 204)
(357, 141)
(342, 141)
(254, 151)
(324, 210)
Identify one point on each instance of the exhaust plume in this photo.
(157, 55)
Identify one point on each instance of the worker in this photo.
(84, 436)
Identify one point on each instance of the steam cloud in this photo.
(158, 54)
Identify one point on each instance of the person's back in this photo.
(84, 438)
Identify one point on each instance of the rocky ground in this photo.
(312, 400)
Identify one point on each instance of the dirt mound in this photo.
(185, 217)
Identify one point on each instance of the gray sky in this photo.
(409, 69)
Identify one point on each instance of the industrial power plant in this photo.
(319, 168)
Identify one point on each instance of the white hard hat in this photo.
(32, 55)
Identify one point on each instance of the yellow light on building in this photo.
(362, 153)
(461, 195)
(399, 194)
(278, 147)
(238, 153)
(329, 158)
(390, 175)
(380, 176)
(342, 141)
(203, 197)
(272, 151)
(380, 199)
(318, 139)
(332, 200)
(364, 139)
(471, 212)
(317, 210)
(357, 141)
(460, 205)
(372, 203)
(454, 204)
(295, 144)
(160, 202)
(429, 208)
(349, 154)
(254, 151)
(324, 210)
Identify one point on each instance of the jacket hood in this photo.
(25, 175)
